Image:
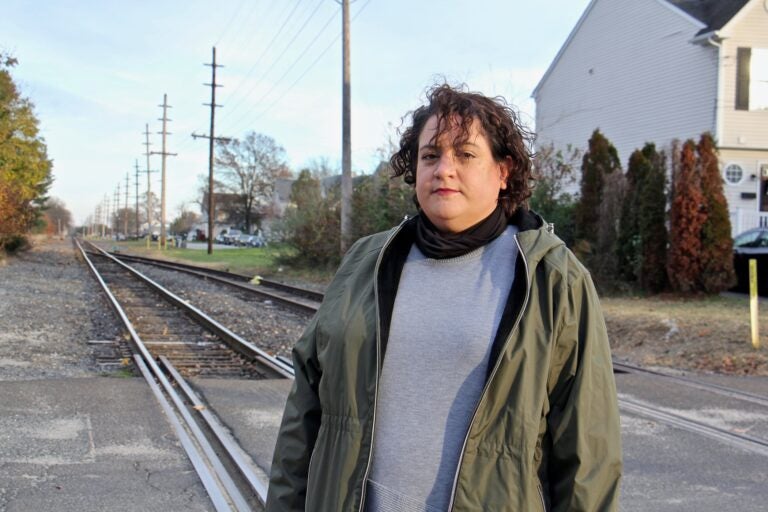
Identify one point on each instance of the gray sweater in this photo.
(445, 318)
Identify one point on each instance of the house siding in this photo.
(630, 70)
(742, 128)
(744, 134)
(745, 213)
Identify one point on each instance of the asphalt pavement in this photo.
(91, 444)
(102, 443)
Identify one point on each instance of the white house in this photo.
(657, 70)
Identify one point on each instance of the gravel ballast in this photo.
(271, 327)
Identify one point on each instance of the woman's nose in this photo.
(446, 166)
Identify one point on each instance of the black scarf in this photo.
(434, 244)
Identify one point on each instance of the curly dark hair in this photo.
(456, 107)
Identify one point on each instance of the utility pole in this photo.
(116, 213)
(105, 218)
(211, 139)
(346, 139)
(149, 186)
(125, 213)
(136, 165)
(163, 154)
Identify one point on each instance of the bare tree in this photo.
(58, 215)
(249, 168)
(185, 220)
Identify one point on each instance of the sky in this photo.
(97, 71)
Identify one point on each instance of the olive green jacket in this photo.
(545, 435)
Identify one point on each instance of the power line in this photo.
(269, 45)
(231, 19)
(309, 68)
(271, 66)
(296, 61)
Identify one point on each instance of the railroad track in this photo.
(735, 438)
(170, 338)
(619, 367)
(742, 440)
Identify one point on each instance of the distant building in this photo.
(658, 70)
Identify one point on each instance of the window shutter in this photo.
(743, 57)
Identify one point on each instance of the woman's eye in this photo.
(467, 155)
(428, 156)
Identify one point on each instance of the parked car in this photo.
(752, 244)
(231, 236)
(257, 241)
(243, 240)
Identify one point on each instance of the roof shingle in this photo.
(714, 13)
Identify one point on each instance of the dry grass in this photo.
(708, 333)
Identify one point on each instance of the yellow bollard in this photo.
(753, 302)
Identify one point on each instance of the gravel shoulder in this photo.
(50, 307)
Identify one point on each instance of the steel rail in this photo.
(749, 443)
(214, 492)
(686, 381)
(237, 281)
(204, 466)
(236, 342)
(207, 272)
(234, 280)
(235, 453)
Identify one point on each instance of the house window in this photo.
(752, 79)
(733, 174)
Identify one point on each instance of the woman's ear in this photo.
(505, 167)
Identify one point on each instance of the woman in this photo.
(460, 360)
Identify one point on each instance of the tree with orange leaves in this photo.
(687, 217)
(25, 170)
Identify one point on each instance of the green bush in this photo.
(554, 170)
(312, 225)
(13, 243)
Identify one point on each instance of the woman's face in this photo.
(457, 186)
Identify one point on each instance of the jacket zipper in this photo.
(378, 358)
(541, 496)
(493, 374)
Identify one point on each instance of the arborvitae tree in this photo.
(604, 262)
(716, 242)
(628, 250)
(652, 229)
(598, 212)
(600, 159)
(687, 217)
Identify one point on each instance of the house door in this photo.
(763, 187)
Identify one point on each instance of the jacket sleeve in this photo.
(583, 424)
(298, 431)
